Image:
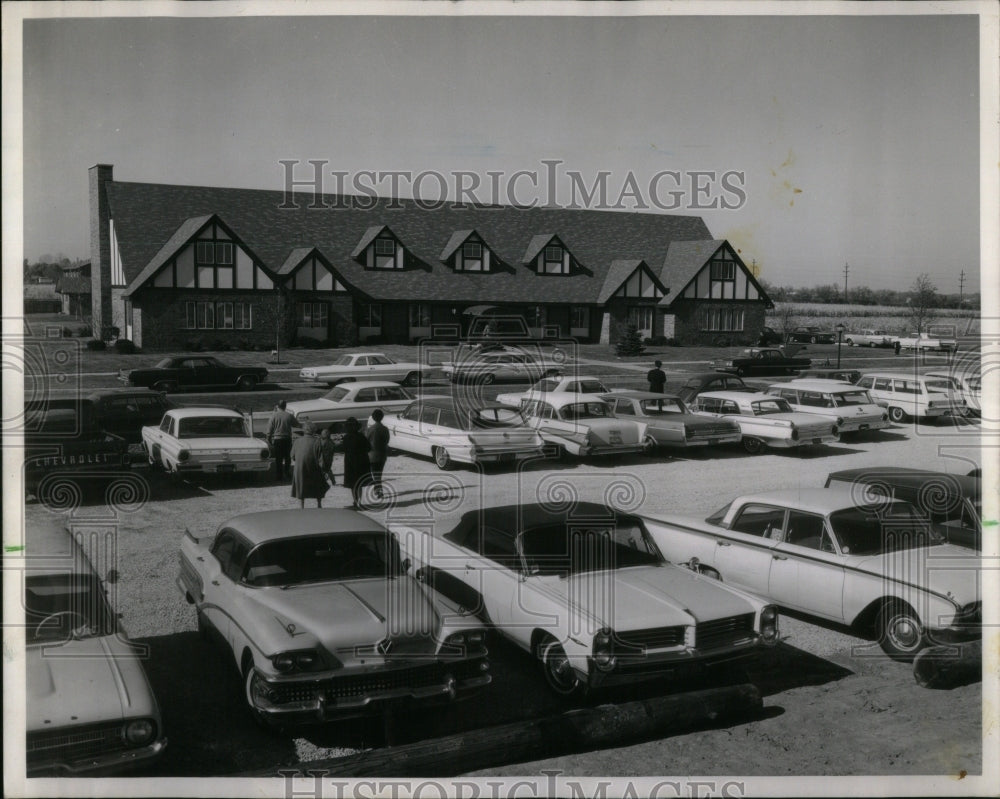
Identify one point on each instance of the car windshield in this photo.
(877, 529)
(344, 360)
(764, 407)
(337, 394)
(493, 418)
(591, 387)
(661, 407)
(571, 548)
(584, 410)
(851, 398)
(212, 426)
(63, 606)
(166, 363)
(323, 558)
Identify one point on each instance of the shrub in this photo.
(220, 346)
(125, 346)
(630, 343)
(194, 345)
(671, 342)
(67, 333)
(84, 332)
(110, 333)
(244, 344)
(656, 341)
(96, 344)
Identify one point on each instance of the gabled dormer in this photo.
(548, 255)
(632, 279)
(466, 251)
(380, 248)
(307, 269)
(711, 270)
(203, 253)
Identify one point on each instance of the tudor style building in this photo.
(245, 267)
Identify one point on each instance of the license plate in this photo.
(226, 467)
(614, 436)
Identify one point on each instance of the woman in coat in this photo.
(308, 481)
(356, 465)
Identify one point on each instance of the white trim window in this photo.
(370, 315)
(200, 315)
(314, 314)
(722, 319)
(554, 260)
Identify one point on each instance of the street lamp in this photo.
(840, 337)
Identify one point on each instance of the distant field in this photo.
(894, 318)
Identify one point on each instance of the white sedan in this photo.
(575, 385)
(364, 366)
(357, 399)
(872, 563)
(584, 425)
(508, 364)
(206, 440)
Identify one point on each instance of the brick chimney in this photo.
(100, 247)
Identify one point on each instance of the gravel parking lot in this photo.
(832, 703)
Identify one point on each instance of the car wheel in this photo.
(753, 445)
(441, 458)
(488, 379)
(412, 379)
(649, 446)
(557, 669)
(898, 415)
(154, 458)
(741, 372)
(900, 633)
(849, 342)
(246, 383)
(871, 344)
(166, 386)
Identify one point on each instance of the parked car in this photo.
(761, 361)
(812, 335)
(968, 386)
(826, 553)
(318, 614)
(845, 375)
(870, 337)
(711, 381)
(907, 395)
(63, 442)
(583, 425)
(951, 501)
(769, 336)
(364, 366)
(356, 399)
(451, 431)
(767, 421)
(508, 364)
(89, 706)
(125, 411)
(942, 341)
(207, 440)
(669, 421)
(575, 385)
(596, 603)
(193, 371)
(850, 408)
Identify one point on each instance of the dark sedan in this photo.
(761, 361)
(812, 335)
(191, 371)
(711, 381)
(845, 375)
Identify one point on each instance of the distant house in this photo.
(41, 297)
(229, 266)
(74, 287)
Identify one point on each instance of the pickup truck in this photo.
(870, 337)
(189, 371)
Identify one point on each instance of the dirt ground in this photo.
(833, 704)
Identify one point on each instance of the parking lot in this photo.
(833, 704)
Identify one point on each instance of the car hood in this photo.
(83, 682)
(643, 597)
(306, 406)
(945, 569)
(348, 614)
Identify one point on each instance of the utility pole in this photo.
(846, 270)
(961, 288)
(753, 268)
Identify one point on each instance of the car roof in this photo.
(271, 525)
(451, 403)
(817, 384)
(637, 395)
(369, 384)
(911, 478)
(190, 411)
(819, 500)
(738, 395)
(560, 398)
(366, 352)
(713, 375)
(512, 518)
(562, 378)
(900, 375)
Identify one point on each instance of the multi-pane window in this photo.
(385, 247)
(218, 316)
(214, 264)
(553, 261)
(242, 316)
(580, 316)
(200, 315)
(370, 315)
(472, 258)
(313, 314)
(641, 316)
(420, 315)
(723, 270)
(472, 249)
(723, 319)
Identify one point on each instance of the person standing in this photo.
(279, 439)
(308, 481)
(356, 464)
(327, 447)
(378, 439)
(657, 378)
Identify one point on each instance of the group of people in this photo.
(309, 460)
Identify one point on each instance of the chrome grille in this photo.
(723, 632)
(651, 638)
(79, 743)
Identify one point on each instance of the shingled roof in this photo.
(149, 217)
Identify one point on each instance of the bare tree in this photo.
(785, 318)
(922, 302)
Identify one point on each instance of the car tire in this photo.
(246, 383)
(154, 458)
(898, 415)
(812, 339)
(849, 342)
(413, 379)
(871, 344)
(166, 386)
(441, 458)
(741, 372)
(649, 446)
(901, 635)
(753, 445)
(556, 668)
(488, 379)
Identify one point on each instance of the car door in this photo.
(743, 553)
(216, 599)
(404, 433)
(365, 401)
(806, 572)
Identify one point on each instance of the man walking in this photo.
(378, 437)
(327, 449)
(657, 379)
(279, 439)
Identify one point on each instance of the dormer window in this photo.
(555, 260)
(472, 250)
(467, 252)
(379, 248)
(385, 246)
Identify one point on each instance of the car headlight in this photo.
(769, 624)
(604, 655)
(301, 660)
(840, 420)
(471, 640)
(140, 732)
(795, 434)
(183, 455)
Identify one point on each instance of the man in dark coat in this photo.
(357, 467)
(657, 378)
(279, 439)
(378, 438)
(308, 481)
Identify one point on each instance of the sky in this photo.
(850, 138)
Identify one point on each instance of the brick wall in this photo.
(688, 323)
(100, 247)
